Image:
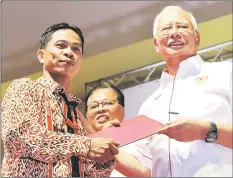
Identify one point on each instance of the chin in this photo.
(64, 73)
(177, 53)
(98, 128)
(61, 74)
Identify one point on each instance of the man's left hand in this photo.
(186, 129)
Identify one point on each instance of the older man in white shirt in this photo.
(194, 100)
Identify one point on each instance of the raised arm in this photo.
(191, 129)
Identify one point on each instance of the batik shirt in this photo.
(34, 133)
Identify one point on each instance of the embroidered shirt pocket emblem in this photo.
(201, 80)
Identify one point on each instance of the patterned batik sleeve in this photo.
(92, 168)
(25, 137)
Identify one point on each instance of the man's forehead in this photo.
(66, 34)
(173, 14)
(175, 21)
(102, 94)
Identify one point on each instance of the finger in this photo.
(114, 142)
(99, 158)
(114, 149)
(172, 122)
(109, 155)
(95, 157)
(172, 127)
(104, 158)
(162, 130)
(107, 125)
(175, 126)
(105, 150)
(116, 123)
(171, 134)
(90, 155)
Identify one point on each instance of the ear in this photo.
(122, 114)
(156, 45)
(197, 37)
(40, 55)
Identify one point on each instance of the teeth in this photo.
(176, 44)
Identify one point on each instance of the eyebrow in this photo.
(96, 102)
(186, 22)
(64, 41)
(100, 101)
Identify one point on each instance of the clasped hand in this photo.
(103, 150)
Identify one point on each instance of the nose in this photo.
(68, 53)
(175, 33)
(101, 108)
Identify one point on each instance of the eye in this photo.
(77, 50)
(166, 28)
(182, 26)
(60, 45)
(93, 106)
(108, 103)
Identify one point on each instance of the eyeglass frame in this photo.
(189, 28)
(102, 103)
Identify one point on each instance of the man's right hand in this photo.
(103, 150)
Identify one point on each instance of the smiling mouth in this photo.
(176, 44)
(66, 62)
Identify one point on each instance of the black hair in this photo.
(47, 35)
(120, 95)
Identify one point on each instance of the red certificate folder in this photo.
(130, 130)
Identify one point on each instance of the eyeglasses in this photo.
(179, 27)
(105, 104)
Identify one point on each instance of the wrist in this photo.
(212, 134)
(205, 128)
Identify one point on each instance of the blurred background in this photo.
(118, 41)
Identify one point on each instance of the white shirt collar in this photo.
(189, 67)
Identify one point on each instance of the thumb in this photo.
(171, 122)
(116, 123)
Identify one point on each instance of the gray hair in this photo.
(156, 21)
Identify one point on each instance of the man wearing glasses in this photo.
(104, 107)
(194, 100)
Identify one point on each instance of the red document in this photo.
(130, 130)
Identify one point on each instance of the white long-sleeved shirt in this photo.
(203, 91)
(127, 148)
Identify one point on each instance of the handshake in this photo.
(103, 150)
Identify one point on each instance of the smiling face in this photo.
(103, 108)
(62, 55)
(176, 37)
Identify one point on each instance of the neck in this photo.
(63, 81)
(173, 63)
